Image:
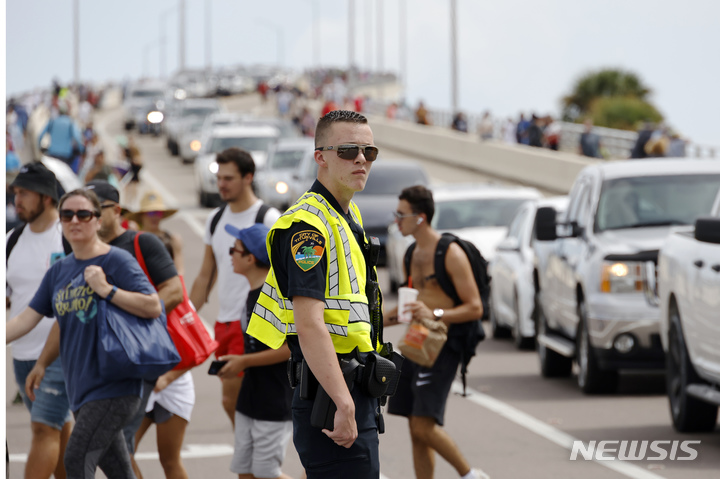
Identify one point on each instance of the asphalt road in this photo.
(513, 423)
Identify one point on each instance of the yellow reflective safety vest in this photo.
(347, 315)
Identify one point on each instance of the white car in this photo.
(514, 270)
(142, 99)
(273, 183)
(688, 286)
(189, 143)
(477, 213)
(256, 140)
(184, 112)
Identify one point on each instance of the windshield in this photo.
(198, 111)
(286, 159)
(473, 213)
(655, 201)
(246, 143)
(147, 94)
(392, 181)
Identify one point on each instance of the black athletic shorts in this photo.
(424, 391)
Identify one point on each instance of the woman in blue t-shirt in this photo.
(69, 292)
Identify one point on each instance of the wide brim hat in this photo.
(151, 201)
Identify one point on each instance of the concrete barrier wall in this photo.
(542, 168)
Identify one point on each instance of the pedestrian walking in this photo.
(316, 298)
(69, 291)
(263, 421)
(66, 142)
(590, 141)
(151, 212)
(161, 272)
(31, 248)
(423, 392)
(236, 170)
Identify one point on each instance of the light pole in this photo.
(208, 36)
(315, 14)
(181, 40)
(453, 55)
(163, 41)
(402, 42)
(351, 37)
(368, 34)
(380, 44)
(76, 42)
(146, 52)
(278, 41)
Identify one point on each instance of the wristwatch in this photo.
(438, 313)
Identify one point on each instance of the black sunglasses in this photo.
(83, 216)
(350, 152)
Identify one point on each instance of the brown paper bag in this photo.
(423, 341)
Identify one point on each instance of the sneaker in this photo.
(480, 474)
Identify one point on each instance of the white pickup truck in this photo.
(688, 293)
(591, 301)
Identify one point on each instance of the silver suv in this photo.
(591, 299)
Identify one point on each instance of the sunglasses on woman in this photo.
(350, 152)
(83, 216)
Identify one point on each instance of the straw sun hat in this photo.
(151, 201)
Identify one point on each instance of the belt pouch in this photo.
(378, 374)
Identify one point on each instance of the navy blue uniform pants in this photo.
(322, 458)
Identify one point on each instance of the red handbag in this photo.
(191, 337)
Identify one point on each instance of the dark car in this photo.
(379, 198)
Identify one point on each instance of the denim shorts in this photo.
(51, 406)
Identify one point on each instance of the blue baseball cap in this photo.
(253, 238)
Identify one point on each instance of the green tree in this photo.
(622, 112)
(583, 100)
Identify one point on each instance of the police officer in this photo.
(315, 296)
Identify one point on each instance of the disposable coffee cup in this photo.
(405, 296)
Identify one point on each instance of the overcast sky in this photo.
(514, 55)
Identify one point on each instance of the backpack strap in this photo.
(140, 258)
(13, 239)
(260, 217)
(407, 260)
(216, 219)
(441, 275)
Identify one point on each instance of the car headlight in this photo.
(155, 117)
(621, 277)
(281, 187)
(213, 167)
(180, 94)
(195, 145)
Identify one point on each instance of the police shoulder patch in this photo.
(307, 248)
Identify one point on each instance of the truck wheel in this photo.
(552, 364)
(499, 331)
(689, 414)
(520, 341)
(591, 379)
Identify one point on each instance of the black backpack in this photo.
(259, 218)
(463, 338)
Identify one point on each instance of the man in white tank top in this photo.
(236, 170)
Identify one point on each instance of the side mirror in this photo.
(576, 230)
(509, 244)
(545, 224)
(707, 230)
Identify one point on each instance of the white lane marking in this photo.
(540, 428)
(189, 451)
